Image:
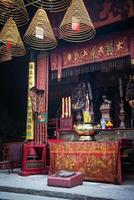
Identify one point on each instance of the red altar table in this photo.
(98, 161)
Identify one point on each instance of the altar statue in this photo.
(82, 102)
(86, 110)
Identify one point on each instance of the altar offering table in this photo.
(98, 161)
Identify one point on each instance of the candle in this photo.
(69, 102)
(120, 88)
(66, 103)
(62, 107)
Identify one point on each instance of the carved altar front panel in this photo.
(97, 161)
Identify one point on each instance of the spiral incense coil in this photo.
(15, 9)
(39, 34)
(13, 44)
(51, 5)
(76, 25)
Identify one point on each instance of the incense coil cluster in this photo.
(76, 25)
(47, 40)
(13, 44)
(51, 5)
(15, 9)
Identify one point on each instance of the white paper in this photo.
(39, 32)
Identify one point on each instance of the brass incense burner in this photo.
(86, 129)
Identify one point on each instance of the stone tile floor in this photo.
(37, 185)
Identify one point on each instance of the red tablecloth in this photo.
(98, 161)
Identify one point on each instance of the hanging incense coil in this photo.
(15, 9)
(51, 5)
(12, 42)
(39, 34)
(76, 25)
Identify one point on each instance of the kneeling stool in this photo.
(65, 179)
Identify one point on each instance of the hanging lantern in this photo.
(14, 8)
(76, 25)
(39, 34)
(51, 5)
(13, 44)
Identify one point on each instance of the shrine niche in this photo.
(100, 84)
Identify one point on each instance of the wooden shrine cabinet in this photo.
(34, 159)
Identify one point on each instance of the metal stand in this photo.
(92, 112)
(132, 117)
(122, 115)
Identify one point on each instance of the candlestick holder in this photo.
(122, 115)
(92, 112)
